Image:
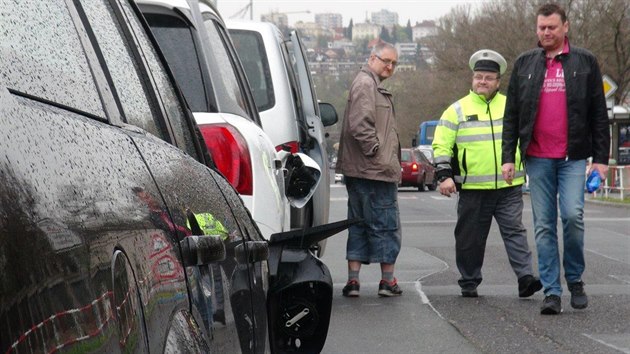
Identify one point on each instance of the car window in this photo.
(405, 156)
(251, 50)
(230, 96)
(117, 55)
(179, 124)
(46, 56)
(421, 158)
(296, 92)
(299, 60)
(178, 45)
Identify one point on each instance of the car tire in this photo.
(432, 186)
(422, 184)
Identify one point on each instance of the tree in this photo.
(385, 35)
(409, 31)
(349, 30)
(603, 27)
(322, 41)
(508, 26)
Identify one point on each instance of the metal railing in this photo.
(618, 181)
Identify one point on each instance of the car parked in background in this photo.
(117, 232)
(279, 75)
(417, 170)
(427, 150)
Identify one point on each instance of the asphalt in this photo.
(411, 324)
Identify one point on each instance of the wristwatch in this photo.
(443, 178)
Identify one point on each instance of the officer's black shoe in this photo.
(528, 285)
(469, 292)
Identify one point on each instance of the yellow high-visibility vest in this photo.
(475, 127)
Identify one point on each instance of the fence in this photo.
(618, 181)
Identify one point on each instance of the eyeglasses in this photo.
(387, 62)
(485, 78)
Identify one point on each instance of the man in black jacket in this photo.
(556, 114)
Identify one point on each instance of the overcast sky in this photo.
(416, 11)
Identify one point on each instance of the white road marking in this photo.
(623, 350)
(623, 279)
(603, 255)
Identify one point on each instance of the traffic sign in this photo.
(609, 86)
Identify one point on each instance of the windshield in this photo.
(251, 50)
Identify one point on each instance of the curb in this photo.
(607, 203)
(590, 200)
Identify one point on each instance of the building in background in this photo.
(365, 30)
(278, 18)
(329, 20)
(385, 18)
(407, 51)
(312, 30)
(423, 29)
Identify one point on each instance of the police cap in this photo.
(487, 60)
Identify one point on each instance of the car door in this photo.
(316, 135)
(75, 239)
(225, 292)
(198, 52)
(186, 190)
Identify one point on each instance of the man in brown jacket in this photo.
(369, 159)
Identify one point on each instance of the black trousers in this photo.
(475, 211)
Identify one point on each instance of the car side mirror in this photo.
(328, 114)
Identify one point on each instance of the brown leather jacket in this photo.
(369, 146)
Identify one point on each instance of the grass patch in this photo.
(625, 201)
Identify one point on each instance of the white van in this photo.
(213, 82)
(280, 79)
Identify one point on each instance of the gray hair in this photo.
(380, 46)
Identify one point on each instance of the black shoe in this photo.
(528, 285)
(551, 305)
(469, 292)
(351, 289)
(579, 300)
(387, 289)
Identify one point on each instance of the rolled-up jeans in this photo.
(556, 182)
(378, 238)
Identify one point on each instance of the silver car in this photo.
(278, 73)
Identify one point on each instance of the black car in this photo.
(117, 234)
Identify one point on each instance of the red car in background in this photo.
(417, 171)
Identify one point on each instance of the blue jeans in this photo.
(553, 182)
(377, 239)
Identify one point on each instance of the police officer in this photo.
(467, 148)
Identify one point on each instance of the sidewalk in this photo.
(588, 198)
(406, 324)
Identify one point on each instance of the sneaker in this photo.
(469, 292)
(387, 289)
(551, 305)
(528, 285)
(351, 289)
(579, 300)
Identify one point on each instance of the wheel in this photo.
(422, 184)
(432, 186)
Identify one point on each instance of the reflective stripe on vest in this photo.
(478, 137)
(485, 178)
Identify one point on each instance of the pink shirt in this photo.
(550, 135)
